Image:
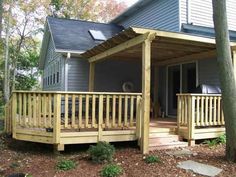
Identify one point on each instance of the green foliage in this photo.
(111, 171)
(152, 159)
(214, 142)
(103, 151)
(65, 165)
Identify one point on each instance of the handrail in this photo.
(89, 93)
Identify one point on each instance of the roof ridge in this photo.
(80, 20)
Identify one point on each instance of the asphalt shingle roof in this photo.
(73, 35)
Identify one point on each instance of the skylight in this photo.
(97, 35)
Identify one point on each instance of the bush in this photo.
(65, 165)
(152, 159)
(214, 142)
(111, 171)
(103, 151)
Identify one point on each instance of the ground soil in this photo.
(38, 160)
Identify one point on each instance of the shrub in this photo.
(152, 159)
(111, 171)
(103, 151)
(65, 165)
(214, 142)
(221, 139)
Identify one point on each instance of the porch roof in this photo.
(167, 47)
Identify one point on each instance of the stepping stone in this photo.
(183, 152)
(199, 168)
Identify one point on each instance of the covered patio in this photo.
(157, 48)
(62, 118)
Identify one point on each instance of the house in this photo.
(158, 50)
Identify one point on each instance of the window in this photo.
(97, 35)
(57, 77)
(54, 78)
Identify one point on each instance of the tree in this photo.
(94, 10)
(227, 77)
(1, 14)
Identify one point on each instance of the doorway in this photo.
(181, 78)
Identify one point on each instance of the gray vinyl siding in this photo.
(201, 13)
(53, 59)
(78, 74)
(208, 72)
(110, 75)
(160, 14)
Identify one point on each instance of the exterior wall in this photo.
(110, 75)
(208, 72)
(201, 13)
(78, 74)
(53, 70)
(161, 14)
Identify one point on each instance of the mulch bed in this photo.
(38, 160)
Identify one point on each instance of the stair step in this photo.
(159, 140)
(168, 145)
(161, 130)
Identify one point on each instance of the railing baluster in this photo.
(210, 112)
(29, 110)
(94, 111)
(34, 110)
(197, 112)
(132, 111)
(24, 109)
(219, 111)
(202, 111)
(80, 111)
(126, 112)
(114, 111)
(120, 111)
(107, 111)
(44, 105)
(49, 110)
(215, 108)
(87, 112)
(66, 110)
(73, 112)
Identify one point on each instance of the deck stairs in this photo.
(164, 138)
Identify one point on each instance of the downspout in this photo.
(66, 71)
(189, 12)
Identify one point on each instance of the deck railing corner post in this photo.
(57, 118)
(14, 110)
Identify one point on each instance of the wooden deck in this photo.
(77, 118)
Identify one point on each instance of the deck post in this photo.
(91, 76)
(155, 94)
(57, 123)
(191, 120)
(13, 118)
(146, 82)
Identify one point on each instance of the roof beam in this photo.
(197, 56)
(130, 43)
(176, 35)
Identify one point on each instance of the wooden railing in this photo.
(8, 117)
(73, 110)
(199, 110)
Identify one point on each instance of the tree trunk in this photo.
(1, 13)
(6, 69)
(227, 78)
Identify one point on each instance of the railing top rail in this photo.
(80, 93)
(196, 94)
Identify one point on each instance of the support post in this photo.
(91, 76)
(146, 82)
(156, 102)
(14, 107)
(191, 120)
(57, 123)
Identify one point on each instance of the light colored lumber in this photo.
(14, 112)
(107, 111)
(91, 77)
(131, 111)
(73, 111)
(66, 110)
(120, 111)
(57, 119)
(87, 111)
(80, 110)
(100, 117)
(126, 112)
(146, 82)
(114, 111)
(128, 44)
(93, 111)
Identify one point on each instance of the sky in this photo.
(129, 2)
